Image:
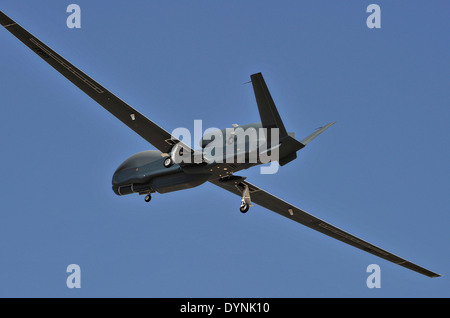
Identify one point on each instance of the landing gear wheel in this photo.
(147, 198)
(168, 162)
(244, 207)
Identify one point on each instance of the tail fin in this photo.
(270, 118)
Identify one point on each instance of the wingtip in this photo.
(436, 275)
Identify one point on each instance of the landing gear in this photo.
(168, 162)
(244, 207)
(175, 151)
(147, 198)
(246, 200)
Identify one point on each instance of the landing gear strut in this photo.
(147, 198)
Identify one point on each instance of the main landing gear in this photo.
(246, 201)
(244, 207)
(168, 162)
(176, 150)
(148, 198)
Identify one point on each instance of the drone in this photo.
(175, 166)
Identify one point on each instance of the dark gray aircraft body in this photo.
(161, 170)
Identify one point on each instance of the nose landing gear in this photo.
(148, 197)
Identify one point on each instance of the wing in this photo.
(143, 126)
(236, 185)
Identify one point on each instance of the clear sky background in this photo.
(381, 173)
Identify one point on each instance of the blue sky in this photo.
(380, 173)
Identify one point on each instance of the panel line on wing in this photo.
(352, 238)
(70, 69)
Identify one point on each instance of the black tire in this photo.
(244, 208)
(168, 162)
(148, 198)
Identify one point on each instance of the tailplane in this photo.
(320, 130)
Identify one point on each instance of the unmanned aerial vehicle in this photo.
(161, 170)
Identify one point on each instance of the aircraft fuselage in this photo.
(145, 172)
